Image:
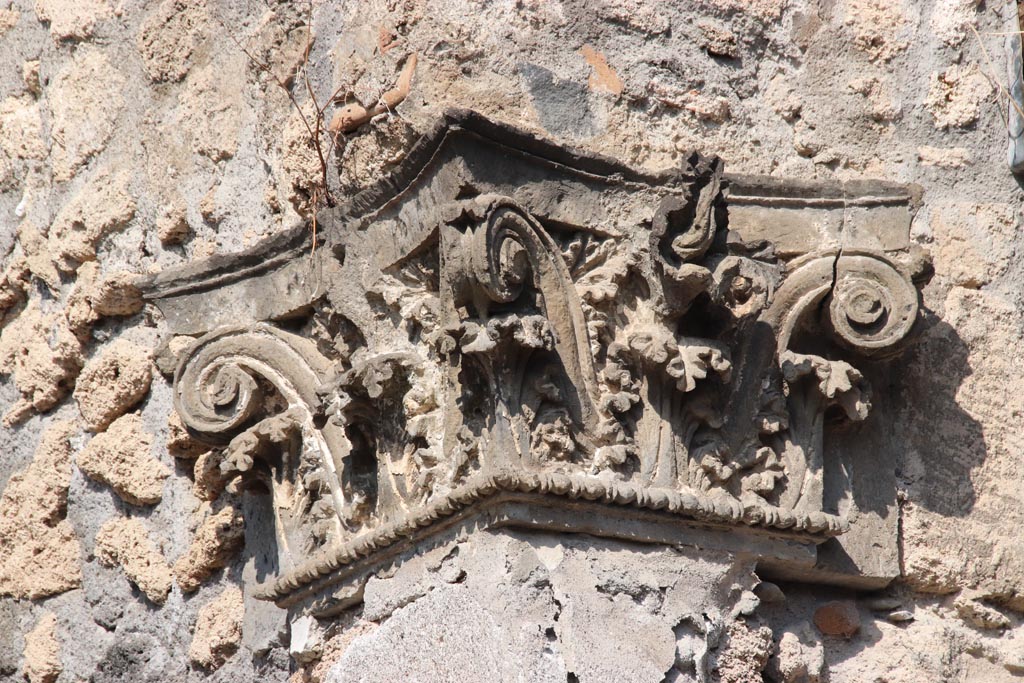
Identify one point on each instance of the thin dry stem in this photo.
(990, 73)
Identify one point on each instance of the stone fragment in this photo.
(211, 106)
(13, 283)
(709, 108)
(879, 27)
(172, 226)
(637, 14)
(39, 553)
(21, 129)
(180, 443)
(769, 593)
(883, 107)
(957, 95)
(217, 539)
(112, 383)
(798, 657)
(718, 40)
(8, 19)
(603, 77)
(209, 208)
(373, 153)
(307, 640)
(300, 166)
(166, 356)
(782, 97)
(30, 76)
(73, 19)
(765, 10)
(117, 294)
(85, 100)
(42, 651)
(94, 297)
(36, 258)
(218, 630)
(952, 20)
(125, 542)
(43, 354)
(969, 606)
(950, 157)
(838, 618)
(120, 457)
(744, 654)
(168, 37)
(209, 480)
(102, 207)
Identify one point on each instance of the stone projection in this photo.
(565, 341)
(510, 333)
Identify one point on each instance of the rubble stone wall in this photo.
(140, 136)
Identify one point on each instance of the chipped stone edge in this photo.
(816, 526)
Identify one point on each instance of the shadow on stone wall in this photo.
(940, 444)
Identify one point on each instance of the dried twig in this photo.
(351, 116)
(993, 78)
(346, 120)
(313, 129)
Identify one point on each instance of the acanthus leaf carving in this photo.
(574, 334)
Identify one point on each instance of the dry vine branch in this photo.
(346, 120)
(991, 74)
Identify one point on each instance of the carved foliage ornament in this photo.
(508, 320)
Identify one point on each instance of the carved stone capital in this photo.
(511, 333)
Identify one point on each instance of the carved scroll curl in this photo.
(506, 248)
(872, 304)
(684, 227)
(216, 387)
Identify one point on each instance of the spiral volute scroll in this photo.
(501, 255)
(873, 305)
(510, 251)
(865, 302)
(216, 387)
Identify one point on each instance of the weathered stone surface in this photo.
(104, 205)
(42, 651)
(107, 166)
(42, 354)
(112, 383)
(124, 541)
(216, 540)
(218, 630)
(168, 38)
(956, 96)
(86, 98)
(543, 607)
(211, 110)
(39, 552)
(172, 225)
(962, 511)
(121, 457)
(881, 29)
(75, 19)
(974, 241)
(21, 135)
